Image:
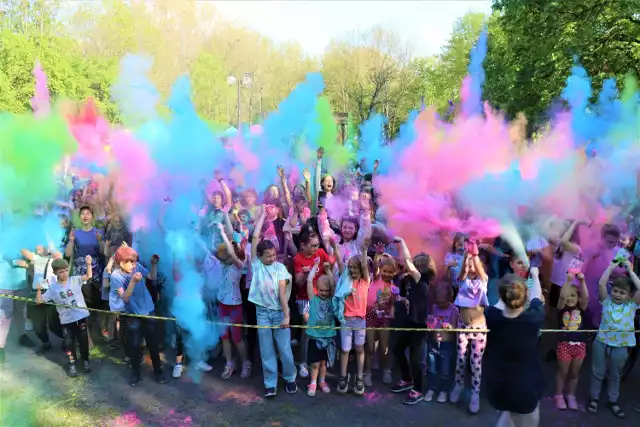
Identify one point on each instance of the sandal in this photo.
(616, 410)
(593, 406)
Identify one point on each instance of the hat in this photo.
(59, 264)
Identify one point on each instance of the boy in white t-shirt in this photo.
(67, 291)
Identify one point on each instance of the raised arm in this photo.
(307, 184)
(318, 179)
(364, 259)
(364, 232)
(536, 289)
(89, 274)
(225, 190)
(583, 292)
(562, 299)
(408, 262)
(311, 276)
(68, 251)
(604, 279)
(565, 240)
(337, 252)
(257, 231)
(285, 186)
(230, 249)
(634, 279)
(27, 254)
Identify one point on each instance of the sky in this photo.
(426, 24)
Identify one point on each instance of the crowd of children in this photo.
(301, 259)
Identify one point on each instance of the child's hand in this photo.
(627, 264)
(137, 277)
(570, 276)
(285, 322)
(376, 163)
(98, 236)
(88, 259)
(379, 247)
(72, 235)
(580, 277)
(320, 153)
(535, 272)
(124, 244)
(327, 267)
(446, 325)
(155, 259)
(306, 175)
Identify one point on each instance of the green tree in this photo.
(534, 44)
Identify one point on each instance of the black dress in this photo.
(513, 372)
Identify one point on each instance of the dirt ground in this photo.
(35, 391)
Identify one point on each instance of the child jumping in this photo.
(67, 291)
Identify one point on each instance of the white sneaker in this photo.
(442, 397)
(303, 371)
(454, 397)
(294, 343)
(177, 371)
(429, 396)
(367, 379)
(202, 366)
(28, 325)
(386, 377)
(228, 371)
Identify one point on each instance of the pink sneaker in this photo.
(311, 390)
(325, 387)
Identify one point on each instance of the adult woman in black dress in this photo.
(513, 372)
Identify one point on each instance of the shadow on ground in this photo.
(35, 391)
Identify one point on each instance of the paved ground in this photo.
(35, 391)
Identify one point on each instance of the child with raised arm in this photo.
(270, 291)
(355, 311)
(321, 350)
(572, 346)
(616, 335)
(67, 291)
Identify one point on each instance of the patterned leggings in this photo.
(478, 341)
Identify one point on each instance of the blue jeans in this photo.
(607, 361)
(439, 365)
(267, 317)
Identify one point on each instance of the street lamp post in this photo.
(246, 81)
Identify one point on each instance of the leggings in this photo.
(478, 341)
(72, 332)
(44, 318)
(138, 328)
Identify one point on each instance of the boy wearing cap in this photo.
(67, 291)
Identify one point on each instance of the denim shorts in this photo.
(350, 336)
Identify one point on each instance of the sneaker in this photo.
(367, 379)
(559, 401)
(159, 377)
(203, 366)
(324, 387)
(303, 371)
(28, 325)
(386, 377)
(636, 407)
(294, 343)
(454, 397)
(291, 387)
(572, 402)
(25, 341)
(413, 398)
(474, 403)
(246, 370)
(311, 390)
(358, 387)
(228, 371)
(402, 386)
(113, 345)
(177, 371)
(87, 367)
(269, 392)
(134, 379)
(343, 384)
(442, 397)
(429, 396)
(73, 372)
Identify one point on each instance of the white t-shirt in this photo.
(68, 294)
(42, 272)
